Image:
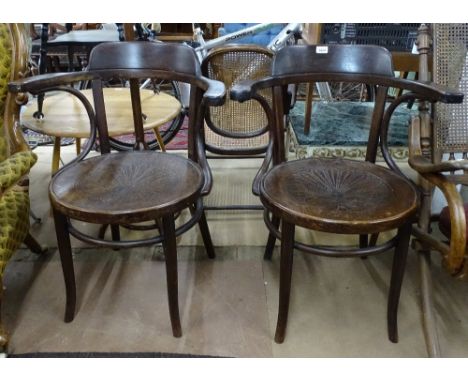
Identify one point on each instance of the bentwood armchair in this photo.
(16, 159)
(125, 188)
(337, 195)
(438, 152)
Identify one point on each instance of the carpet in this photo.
(107, 355)
(342, 129)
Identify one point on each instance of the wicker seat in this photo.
(439, 153)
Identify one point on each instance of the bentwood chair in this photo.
(338, 195)
(439, 153)
(124, 188)
(237, 130)
(16, 159)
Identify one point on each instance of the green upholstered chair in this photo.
(16, 158)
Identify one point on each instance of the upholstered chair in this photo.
(16, 159)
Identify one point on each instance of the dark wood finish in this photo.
(287, 245)
(398, 271)
(170, 255)
(102, 186)
(338, 195)
(33, 245)
(66, 259)
(136, 186)
(270, 246)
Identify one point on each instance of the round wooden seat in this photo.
(338, 195)
(126, 187)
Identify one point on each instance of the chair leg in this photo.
(429, 321)
(102, 231)
(3, 333)
(170, 254)
(271, 240)
(205, 233)
(287, 248)
(66, 259)
(115, 232)
(398, 271)
(33, 245)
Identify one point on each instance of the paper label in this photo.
(321, 49)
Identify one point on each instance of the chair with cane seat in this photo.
(439, 153)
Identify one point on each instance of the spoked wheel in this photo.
(342, 91)
(167, 131)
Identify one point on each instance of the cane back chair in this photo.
(124, 188)
(439, 153)
(237, 130)
(16, 159)
(338, 195)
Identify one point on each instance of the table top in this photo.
(65, 116)
(85, 37)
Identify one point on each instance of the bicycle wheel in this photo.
(342, 91)
(168, 131)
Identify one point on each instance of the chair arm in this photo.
(43, 82)
(453, 260)
(263, 169)
(424, 166)
(245, 90)
(13, 168)
(426, 90)
(215, 93)
(423, 90)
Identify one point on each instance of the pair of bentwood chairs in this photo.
(339, 196)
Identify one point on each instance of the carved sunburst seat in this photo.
(329, 195)
(126, 187)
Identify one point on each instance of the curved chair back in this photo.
(237, 128)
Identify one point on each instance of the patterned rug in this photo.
(342, 129)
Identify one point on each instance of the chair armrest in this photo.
(423, 165)
(423, 90)
(215, 93)
(13, 168)
(43, 82)
(453, 259)
(426, 90)
(245, 90)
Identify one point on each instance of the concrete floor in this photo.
(228, 305)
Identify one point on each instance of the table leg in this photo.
(78, 145)
(159, 138)
(56, 155)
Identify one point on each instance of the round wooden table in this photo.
(66, 117)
